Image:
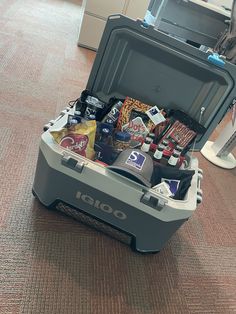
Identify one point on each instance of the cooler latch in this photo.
(215, 59)
(153, 201)
(199, 190)
(72, 163)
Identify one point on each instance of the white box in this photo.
(91, 31)
(104, 8)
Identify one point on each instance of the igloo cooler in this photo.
(135, 60)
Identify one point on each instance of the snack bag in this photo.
(181, 130)
(79, 139)
(133, 119)
(136, 128)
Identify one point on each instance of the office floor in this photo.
(51, 264)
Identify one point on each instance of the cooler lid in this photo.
(137, 61)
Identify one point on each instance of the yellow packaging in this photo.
(79, 138)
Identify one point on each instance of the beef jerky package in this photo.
(181, 130)
(178, 181)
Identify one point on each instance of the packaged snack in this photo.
(94, 107)
(181, 130)
(132, 110)
(80, 139)
(136, 128)
(88, 105)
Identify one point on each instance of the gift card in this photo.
(163, 188)
(155, 115)
(173, 184)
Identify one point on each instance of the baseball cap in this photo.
(135, 165)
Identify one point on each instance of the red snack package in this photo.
(79, 139)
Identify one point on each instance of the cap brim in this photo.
(130, 175)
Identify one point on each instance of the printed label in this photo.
(136, 160)
(155, 115)
(173, 184)
(76, 143)
(113, 114)
(163, 188)
(136, 128)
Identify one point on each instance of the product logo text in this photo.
(101, 206)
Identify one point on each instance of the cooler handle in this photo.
(199, 190)
(153, 201)
(72, 163)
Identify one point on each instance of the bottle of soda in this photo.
(159, 152)
(173, 160)
(146, 145)
(103, 146)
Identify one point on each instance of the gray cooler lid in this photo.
(143, 63)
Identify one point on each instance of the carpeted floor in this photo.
(51, 264)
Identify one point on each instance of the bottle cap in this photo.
(148, 140)
(160, 147)
(158, 154)
(151, 135)
(78, 119)
(122, 136)
(73, 122)
(109, 121)
(175, 155)
(105, 131)
(179, 148)
(104, 125)
(77, 113)
(91, 117)
(173, 159)
(165, 142)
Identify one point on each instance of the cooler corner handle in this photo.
(199, 190)
(153, 201)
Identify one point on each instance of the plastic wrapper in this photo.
(133, 119)
(79, 139)
(180, 130)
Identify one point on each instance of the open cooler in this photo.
(135, 60)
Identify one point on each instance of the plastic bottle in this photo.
(146, 145)
(113, 114)
(103, 146)
(122, 140)
(159, 152)
(173, 160)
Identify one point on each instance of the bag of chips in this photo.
(79, 138)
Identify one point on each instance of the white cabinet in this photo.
(96, 13)
(104, 8)
(137, 8)
(91, 31)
